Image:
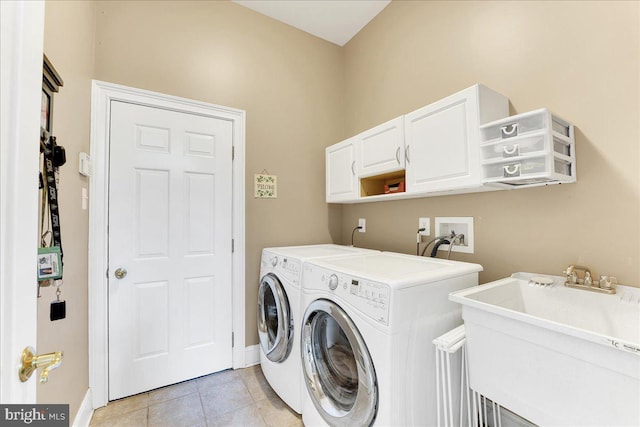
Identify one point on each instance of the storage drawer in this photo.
(520, 146)
(532, 121)
(543, 166)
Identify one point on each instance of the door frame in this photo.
(22, 38)
(102, 93)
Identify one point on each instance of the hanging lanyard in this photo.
(52, 193)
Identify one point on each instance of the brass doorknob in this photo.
(120, 273)
(31, 362)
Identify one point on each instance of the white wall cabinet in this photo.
(381, 149)
(432, 151)
(341, 178)
(442, 140)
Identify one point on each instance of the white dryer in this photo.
(279, 314)
(366, 346)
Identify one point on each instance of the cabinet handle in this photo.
(511, 152)
(353, 171)
(509, 130)
(511, 170)
(398, 155)
(406, 154)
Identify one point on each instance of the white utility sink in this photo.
(552, 354)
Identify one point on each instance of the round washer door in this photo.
(275, 320)
(338, 370)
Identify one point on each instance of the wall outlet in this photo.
(460, 226)
(362, 223)
(425, 223)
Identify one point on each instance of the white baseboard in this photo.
(84, 414)
(252, 355)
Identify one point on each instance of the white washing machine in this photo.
(279, 314)
(367, 331)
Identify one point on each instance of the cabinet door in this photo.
(443, 143)
(341, 172)
(381, 149)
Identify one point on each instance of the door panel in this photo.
(341, 177)
(200, 211)
(151, 310)
(151, 213)
(442, 144)
(200, 290)
(170, 227)
(21, 38)
(381, 149)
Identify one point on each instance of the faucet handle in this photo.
(570, 274)
(608, 282)
(567, 272)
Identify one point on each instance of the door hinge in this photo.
(107, 273)
(232, 339)
(233, 245)
(233, 152)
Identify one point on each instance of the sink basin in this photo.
(552, 354)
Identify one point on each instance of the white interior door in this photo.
(170, 228)
(21, 38)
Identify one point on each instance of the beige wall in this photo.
(289, 83)
(69, 29)
(580, 59)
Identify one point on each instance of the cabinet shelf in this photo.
(375, 185)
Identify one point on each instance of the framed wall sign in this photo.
(265, 186)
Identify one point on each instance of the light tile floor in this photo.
(228, 398)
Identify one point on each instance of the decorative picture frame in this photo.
(51, 83)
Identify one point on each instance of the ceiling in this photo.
(336, 21)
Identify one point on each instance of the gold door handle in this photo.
(31, 362)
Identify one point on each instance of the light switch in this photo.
(85, 198)
(85, 167)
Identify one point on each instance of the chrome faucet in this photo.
(604, 285)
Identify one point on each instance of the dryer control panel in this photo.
(284, 267)
(368, 297)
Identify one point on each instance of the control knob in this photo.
(274, 261)
(333, 282)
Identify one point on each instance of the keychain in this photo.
(43, 284)
(58, 308)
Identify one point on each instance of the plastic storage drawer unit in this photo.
(528, 171)
(528, 149)
(524, 145)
